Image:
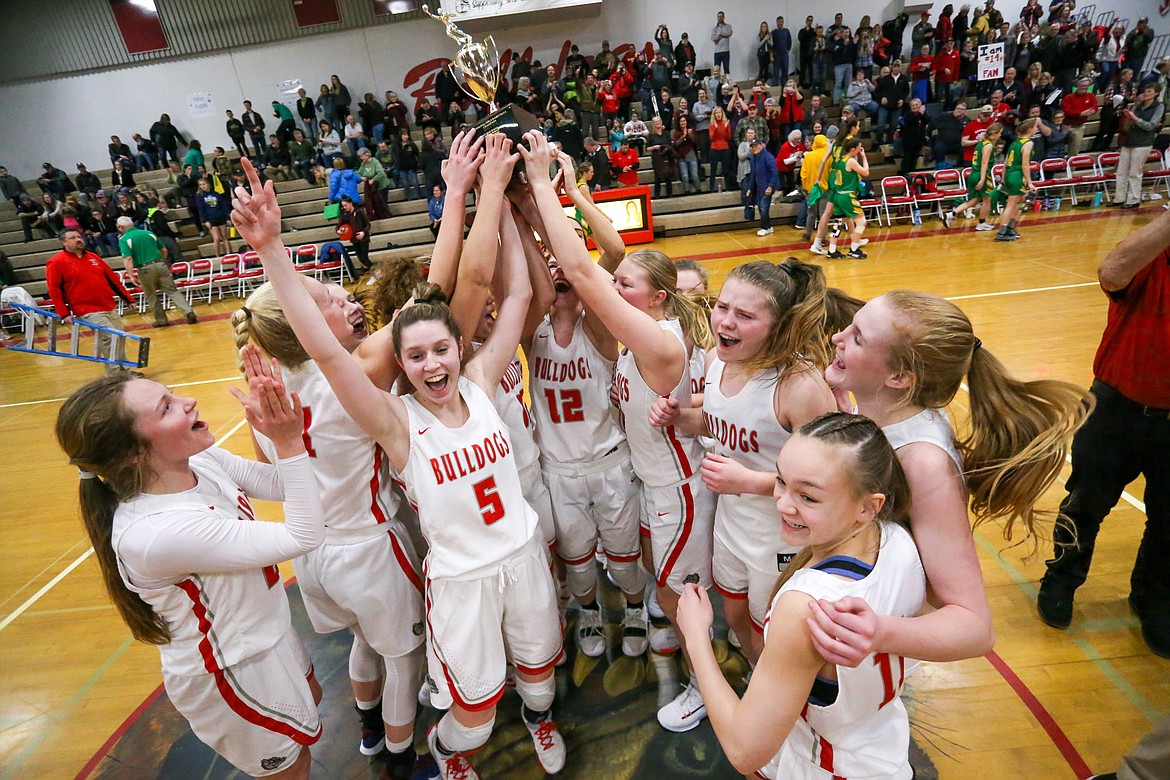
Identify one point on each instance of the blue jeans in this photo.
(919, 89)
(326, 159)
(378, 131)
(886, 117)
(354, 144)
(869, 108)
(802, 213)
(842, 75)
(688, 168)
(409, 182)
(779, 69)
(765, 204)
(144, 161)
(723, 60)
(749, 207)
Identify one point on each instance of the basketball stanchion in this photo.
(117, 339)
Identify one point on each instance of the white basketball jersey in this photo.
(865, 732)
(929, 425)
(509, 398)
(698, 361)
(575, 422)
(352, 470)
(215, 620)
(662, 457)
(745, 429)
(466, 485)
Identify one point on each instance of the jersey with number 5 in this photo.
(575, 422)
(866, 731)
(466, 486)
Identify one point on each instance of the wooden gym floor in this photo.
(1045, 704)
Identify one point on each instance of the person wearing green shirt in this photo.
(302, 153)
(844, 185)
(284, 130)
(373, 173)
(194, 156)
(979, 181)
(145, 258)
(1017, 178)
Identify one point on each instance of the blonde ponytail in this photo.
(262, 321)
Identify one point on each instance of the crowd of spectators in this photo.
(917, 86)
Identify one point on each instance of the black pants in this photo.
(362, 250)
(1119, 441)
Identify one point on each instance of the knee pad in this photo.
(537, 696)
(458, 738)
(628, 576)
(400, 688)
(582, 577)
(365, 665)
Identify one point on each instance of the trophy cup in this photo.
(476, 68)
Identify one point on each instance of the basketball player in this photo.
(172, 525)
(1017, 179)
(584, 454)
(640, 307)
(839, 491)
(488, 583)
(844, 186)
(903, 359)
(364, 577)
(764, 381)
(979, 180)
(848, 131)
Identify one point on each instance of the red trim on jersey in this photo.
(644, 531)
(255, 717)
(200, 609)
(402, 485)
(729, 594)
(404, 561)
(688, 523)
(826, 756)
(623, 558)
(679, 454)
(757, 627)
(583, 559)
(491, 701)
(535, 670)
(376, 484)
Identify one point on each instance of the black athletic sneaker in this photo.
(856, 254)
(946, 217)
(1004, 237)
(835, 255)
(1055, 604)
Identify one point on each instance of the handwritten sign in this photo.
(991, 61)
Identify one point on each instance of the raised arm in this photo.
(492, 359)
(543, 294)
(659, 355)
(1135, 252)
(380, 414)
(611, 248)
(459, 172)
(477, 262)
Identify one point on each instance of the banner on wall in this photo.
(201, 104)
(286, 92)
(139, 25)
(461, 10)
(389, 7)
(991, 61)
(310, 13)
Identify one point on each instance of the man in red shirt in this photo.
(920, 73)
(1078, 107)
(1127, 434)
(946, 73)
(83, 286)
(973, 132)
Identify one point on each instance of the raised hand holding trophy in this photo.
(476, 68)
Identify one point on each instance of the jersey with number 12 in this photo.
(466, 485)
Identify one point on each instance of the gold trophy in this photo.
(476, 68)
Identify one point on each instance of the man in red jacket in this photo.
(946, 73)
(82, 285)
(1078, 107)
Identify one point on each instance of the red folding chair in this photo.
(896, 192)
(1055, 176)
(228, 275)
(199, 279)
(1156, 171)
(135, 292)
(251, 273)
(1085, 172)
(305, 259)
(951, 184)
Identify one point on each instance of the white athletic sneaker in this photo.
(763, 232)
(817, 249)
(969, 213)
(862, 242)
(652, 603)
(685, 712)
(984, 226)
(665, 641)
(425, 690)
(549, 744)
(732, 639)
(635, 632)
(590, 633)
(453, 767)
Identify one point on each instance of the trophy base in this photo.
(513, 122)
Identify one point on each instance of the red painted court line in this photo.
(104, 750)
(1043, 716)
(803, 246)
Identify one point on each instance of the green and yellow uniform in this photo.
(984, 150)
(844, 185)
(834, 158)
(1014, 182)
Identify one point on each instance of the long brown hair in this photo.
(396, 280)
(98, 433)
(430, 303)
(686, 308)
(875, 469)
(795, 294)
(1020, 432)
